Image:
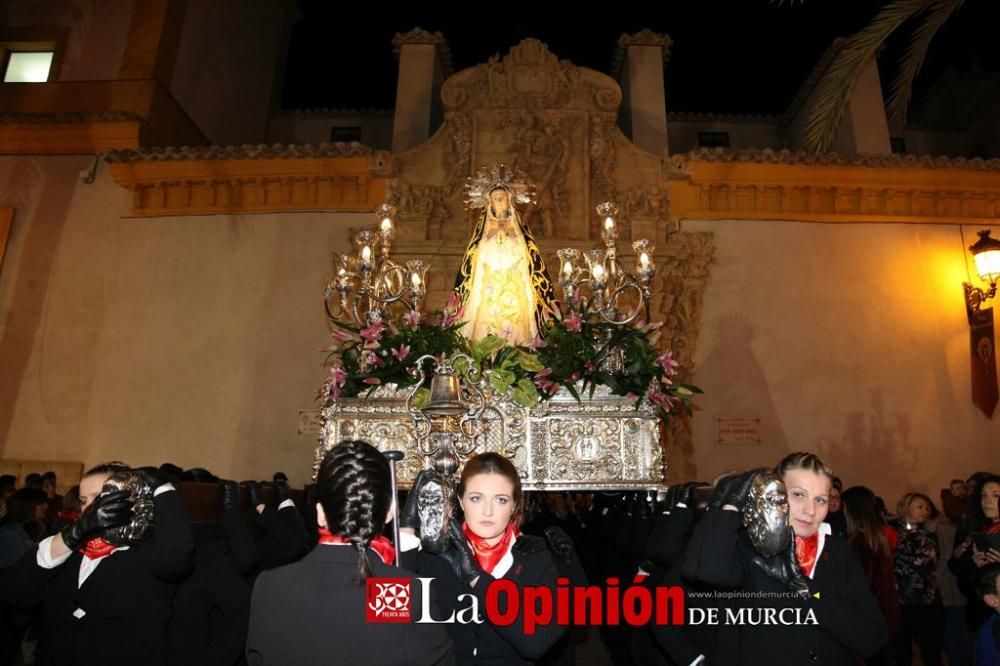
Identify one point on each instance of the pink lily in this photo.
(536, 344)
(340, 335)
(667, 362)
(338, 375)
(372, 331)
(451, 317)
(656, 396)
(371, 381)
(401, 352)
(573, 323)
(412, 318)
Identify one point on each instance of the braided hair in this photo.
(353, 488)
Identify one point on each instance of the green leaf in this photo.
(487, 346)
(461, 365)
(530, 362)
(500, 380)
(525, 394)
(527, 385)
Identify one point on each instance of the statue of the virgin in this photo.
(502, 282)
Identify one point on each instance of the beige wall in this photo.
(189, 339)
(848, 340)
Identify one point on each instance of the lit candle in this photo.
(568, 268)
(415, 280)
(366, 253)
(644, 260)
(609, 223)
(597, 271)
(386, 225)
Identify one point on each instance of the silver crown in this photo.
(498, 176)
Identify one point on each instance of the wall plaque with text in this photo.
(739, 430)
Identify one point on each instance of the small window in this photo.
(713, 139)
(28, 66)
(898, 145)
(345, 134)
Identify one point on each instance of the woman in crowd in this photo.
(314, 611)
(915, 562)
(486, 546)
(972, 549)
(867, 538)
(834, 614)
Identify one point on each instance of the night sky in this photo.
(739, 56)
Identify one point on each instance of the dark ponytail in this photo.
(352, 486)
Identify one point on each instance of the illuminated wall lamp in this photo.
(986, 253)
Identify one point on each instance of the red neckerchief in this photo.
(994, 528)
(382, 546)
(489, 556)
(97, 548)
(805, 552)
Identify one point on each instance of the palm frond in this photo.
(902, 86)
(834, 89)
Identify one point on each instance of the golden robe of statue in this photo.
(503, 283)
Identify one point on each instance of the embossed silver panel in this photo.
(601, 443)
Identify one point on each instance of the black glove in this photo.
(282, 491)
(152, 476)
(734, 490)
(784, 568)
(107, 512)
(230, 495)
(460, 556)
(410, 515)
(559, 543)
(680, 494)
(255, 491)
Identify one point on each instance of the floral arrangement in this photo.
(572, 352)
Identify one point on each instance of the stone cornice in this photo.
(890, 161)
(184, 182)
(74, 117)
(244, 152)
(765, 185)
